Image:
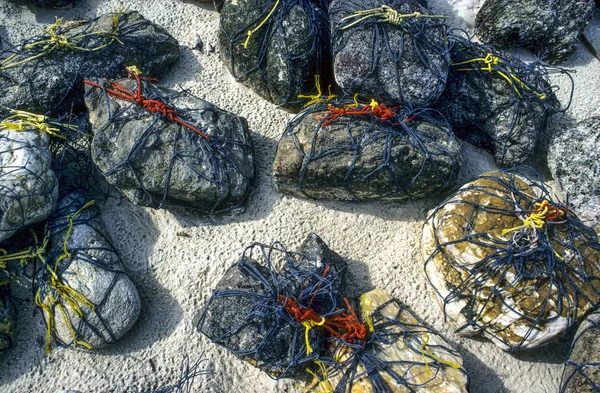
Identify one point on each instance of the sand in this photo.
(175, 260)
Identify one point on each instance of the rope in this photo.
(24, 121)
(384, 14)
(250, 32)
(380, 111)
(537, 219)
(317, 98)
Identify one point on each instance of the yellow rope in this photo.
(425, 350)
(250, 32)
(316, 98)
(308, 325)
(385, 14)
(364, 308)
(324, 383)
(535, 220)
(23, 121)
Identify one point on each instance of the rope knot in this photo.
(544, 212)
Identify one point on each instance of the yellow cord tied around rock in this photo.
(489, 62)
(250, 32)
(74, 299)
(543, 213)
(308, 325)
(425, 350)
(317, 98)
(24, 121)
(24, 256)
(384, 14)
(324, 385)
(56, 41)
(365, 310)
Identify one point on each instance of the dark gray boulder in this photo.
(362, 157)
(283, 55)
(403, 63)
(107, 302)
(158, 163)
(574, 160)
(582, 369)
(103, 47)
(492, 109)
(549, 28)
(246, 313)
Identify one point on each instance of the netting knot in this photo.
(384, 14)
(544, 212)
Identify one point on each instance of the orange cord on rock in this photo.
(380, 111)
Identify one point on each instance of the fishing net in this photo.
(509, 261)
(393, 51)
(45, 73)
(351, 151)
(250, 312)
(396, 354)
(498, 102)
(164, 148)
(582, 368)
(187, 374)
(276, 48)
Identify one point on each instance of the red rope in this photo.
(381, 112)
(553, 214)
(154, 106)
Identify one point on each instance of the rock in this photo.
(408, 355)
(245, 315)
(282, 56)
(46, 3)
(553, 27)
(582, 370)
(493, 274)
(158, 163)
(488, 111)
(7, 317)
(405, 64)
(360, 157)
(54, 81)
(573, 159)
(28, 187)
(93, 271)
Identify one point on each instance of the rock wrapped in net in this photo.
(248, 311)
(166, 148)
(276, 47)
(582, 368)
(45, 74)
(496, 101)
(7, 311)
(398, 355)
(393, 51)
(509, 261)
(362, 152)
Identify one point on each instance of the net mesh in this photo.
(508, 260)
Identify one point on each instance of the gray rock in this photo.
(246, 316)
(582, 370)
(95, 271)
(574, 160)
(405, 64)
(360, 158)
(283, 56)
(54, 81)
(540, 25)
(7, 317)
(484, 108)
(28, 186)
(158, 163)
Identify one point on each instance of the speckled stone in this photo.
(582, 369)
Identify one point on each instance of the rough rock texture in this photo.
(540, 25)
(7, 317)
(95, 271)
(283, 56)
(488, 284)
(582, 369)
(574, 159)
(46, 3)
(395, 64)
(358, 158)
(158, 163)
(271, 341)
(28, 187)
(54, 81)
(485, 110)
(422, 359)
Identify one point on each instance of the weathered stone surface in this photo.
(574, 159)
(283, 56)
(158, 163)
(242, 314)
(484, 108)
(538, 25)
(56, 78)
(46, 3)
(358, 158)
(582, 369)
(7, 317)
(404, 64)
(28, 187)
(406, 345)
(493, 283)
(95, 271)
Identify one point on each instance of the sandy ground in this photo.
(176, 260)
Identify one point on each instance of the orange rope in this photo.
(379, 111)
